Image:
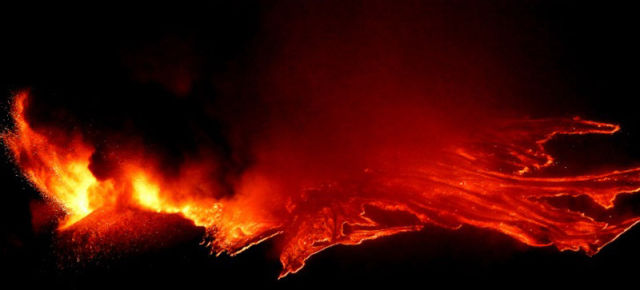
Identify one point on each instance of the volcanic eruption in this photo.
(333, 131)
(481, 181)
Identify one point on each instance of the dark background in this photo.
(564, 57)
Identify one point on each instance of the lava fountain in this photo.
(486, 180)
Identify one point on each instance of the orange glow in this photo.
(61, 172)
(483, 182)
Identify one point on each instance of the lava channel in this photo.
(487, 181)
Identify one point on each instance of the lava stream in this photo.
(484, 182)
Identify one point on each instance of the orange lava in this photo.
(484, 182)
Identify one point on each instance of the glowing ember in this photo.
(484, 182)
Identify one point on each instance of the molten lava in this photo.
(485, 181)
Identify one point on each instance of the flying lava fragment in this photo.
(484, 180)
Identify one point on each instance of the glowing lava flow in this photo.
(483, 183)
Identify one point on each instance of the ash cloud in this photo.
(299, 93)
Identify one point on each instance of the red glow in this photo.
(483, 180)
